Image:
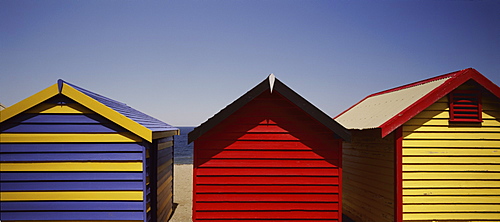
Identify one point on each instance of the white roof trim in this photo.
(272, 78)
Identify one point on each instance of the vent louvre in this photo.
(465, 106)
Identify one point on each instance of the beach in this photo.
(183, 186)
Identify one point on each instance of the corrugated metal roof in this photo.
(143, 119)
(391, 108)
(374, 111)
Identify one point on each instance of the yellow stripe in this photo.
(452, 135)
(68, 137)
(451, 199)
(445, 122)
(445, 115)
(451, 175)
(451, 184)
(29, 102)
(469, 217)
(447, 191)
(71, 195)
(107, 112)
(453, 143)
(450, 129)
(72, 166)
(452, 208)
(434, 159)
(456, 168)
(72, 108)
(450, 152)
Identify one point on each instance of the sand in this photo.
(183, 187)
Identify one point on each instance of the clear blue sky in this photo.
(183, 61)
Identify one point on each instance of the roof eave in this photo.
(166, 133)
(284, 90)
(227, 111)
(106, 112)
(439, 92)
(28, 103)
(312, 110)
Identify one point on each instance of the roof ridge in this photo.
(129, 112)
(281, 89)
(88, 92)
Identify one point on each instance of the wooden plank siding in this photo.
(62, 165)
(164, 178)
(267, 161)
(451, 171)
(368, 172)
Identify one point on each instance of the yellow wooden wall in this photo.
(451, 171)
(368, 176)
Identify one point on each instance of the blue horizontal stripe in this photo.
(56, 186)
(70, 147)
(70, 176)
(88, 215)
(64, 128)
(65, 118)
(71, 206)
(29, 157)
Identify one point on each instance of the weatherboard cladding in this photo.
(449, 169)
(62, 161)
(268, 159)
(429, 168)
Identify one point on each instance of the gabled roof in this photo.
(391, 108)
(127, 117)
(274, 85)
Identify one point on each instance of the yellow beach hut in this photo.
(426, 151)
(68, 154)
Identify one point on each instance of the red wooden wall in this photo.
(267, 161)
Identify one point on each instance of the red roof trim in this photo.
(458, 78)
(452, 74)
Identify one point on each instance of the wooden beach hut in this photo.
(270, 155)
(68, 154)
(426, 151)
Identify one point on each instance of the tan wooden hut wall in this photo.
(368, 164)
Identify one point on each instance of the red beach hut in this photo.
(269, 155)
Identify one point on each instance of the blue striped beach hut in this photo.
(73, 155)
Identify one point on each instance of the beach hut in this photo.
(426, 151)
(269, 155)
(69, 154)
